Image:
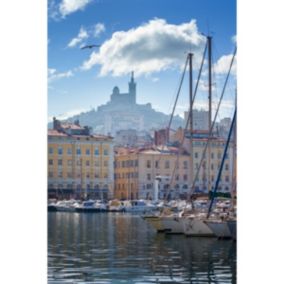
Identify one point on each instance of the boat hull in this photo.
(194, 227)
(89, 210)
(172, 225)
(220, 229)
(232, 225)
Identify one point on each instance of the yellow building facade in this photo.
(136, 170)
(79, 164)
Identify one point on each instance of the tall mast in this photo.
(191, 118)
(209, 40)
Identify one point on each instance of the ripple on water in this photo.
(109, 248)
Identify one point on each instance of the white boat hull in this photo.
(219, 228)
(194, 227)
(172, 225)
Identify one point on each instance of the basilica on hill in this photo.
(122, 112)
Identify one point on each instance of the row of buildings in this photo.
(81, 164)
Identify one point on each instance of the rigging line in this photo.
(187, 122)
(213, 124)
(180, 85)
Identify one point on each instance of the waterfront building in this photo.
(80, 164)
(135, 171)
(207, 174)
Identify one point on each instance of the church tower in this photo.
(132, 89)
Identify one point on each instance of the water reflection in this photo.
(113, 248)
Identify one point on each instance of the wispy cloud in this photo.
(86, 33)
(60, 10)
(54, 75)
(222, 66)
(151, 47)
(82, 35)
(67, 7)
(98, 29)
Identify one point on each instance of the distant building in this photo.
(200, 119)
(79, 164)
(127, 137)
(161, 137)
(136, 169)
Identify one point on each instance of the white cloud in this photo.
(54, 75)
(223, 64)
(83, 34)
(67, 7)
(234, 39)
(98, 29)
(151, 47)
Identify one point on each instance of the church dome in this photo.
(115, 90)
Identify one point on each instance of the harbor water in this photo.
(123, 248)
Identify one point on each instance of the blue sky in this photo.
(149, 37)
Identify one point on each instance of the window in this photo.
(60, 175)
(105, 152)
(96, 175)
(185, 164)
(184, 177)
(105, 163)
(196, 166)
(212, 178)
(227, 178)
(78, 151)
(212, 166)
(219, 155)
(78, 162)
(148, 176)
(59, 162)
(70, 163)
(177, 177)
(69, 175)
(60, 151)
(196, 155)
(167, 164)
(97, 163)
(97, 151)
(87, 175)
(88, 152)
(149, 186)
(212, 155)
(156, 164)
(50, 150)
(148, 164)
(105, 175)
(226, 167)
(69, 151)
(50, 162)
(50, 174)
(87, 163)
(136, 163)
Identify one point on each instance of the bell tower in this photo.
(132, 89)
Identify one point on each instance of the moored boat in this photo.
(195, 226)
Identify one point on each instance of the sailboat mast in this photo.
(209, 41)
(191, 118)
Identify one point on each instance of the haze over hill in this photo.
(122, 112)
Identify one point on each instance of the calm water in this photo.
(120, 248)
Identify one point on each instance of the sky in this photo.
(151, 38)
